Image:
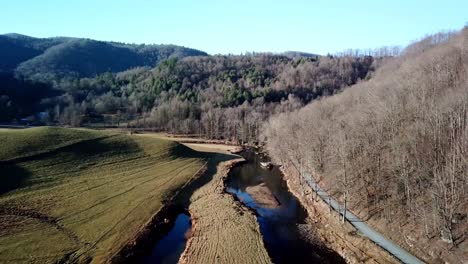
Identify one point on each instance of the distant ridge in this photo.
(58, 57)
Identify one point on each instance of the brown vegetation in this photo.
(324, 227)
(394, 148)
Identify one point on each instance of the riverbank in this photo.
(325, 225)
(223, 230)
(158, 226)
(222, 227)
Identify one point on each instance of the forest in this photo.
(393, 148)
(49, 59)
(219, 97)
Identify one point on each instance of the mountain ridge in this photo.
(58, 57)
(54, 58)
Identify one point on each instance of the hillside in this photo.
(218, 96)
(394, 149)
(71, 81)
(221, 97)
(13, 53)
(80, 195)
(52, 58)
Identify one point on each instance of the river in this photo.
(168, 249)
(279, 225)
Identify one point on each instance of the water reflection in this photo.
(169, 248)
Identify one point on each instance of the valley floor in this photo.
(86, 201)
(223, 230)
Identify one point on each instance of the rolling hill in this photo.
(79, 195)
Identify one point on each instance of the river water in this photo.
(278, 225)
(168, 249)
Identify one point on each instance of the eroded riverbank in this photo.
(223, 231)
(144, 245)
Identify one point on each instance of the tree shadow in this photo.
(12, 176)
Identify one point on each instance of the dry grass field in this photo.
(77, 195)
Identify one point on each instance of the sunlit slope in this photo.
(17, 143)
(85, 198)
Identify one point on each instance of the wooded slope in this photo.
(60, 57)
(395, 148)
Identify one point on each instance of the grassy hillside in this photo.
(51, 58)
(29, 142)
(80, 195)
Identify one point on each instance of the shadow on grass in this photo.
(81, 149)
(12, 177)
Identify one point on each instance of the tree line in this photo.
(219, 97)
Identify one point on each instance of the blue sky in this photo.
(236, 26)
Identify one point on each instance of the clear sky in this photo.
(236, 26)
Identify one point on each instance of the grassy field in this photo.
(80, 195)
(193, 143)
